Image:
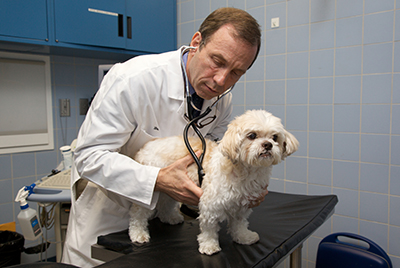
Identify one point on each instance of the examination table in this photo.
(283, 221)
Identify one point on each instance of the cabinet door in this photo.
(90, 22)
(24, 19)
(153, 25)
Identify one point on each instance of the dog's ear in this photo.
(230, 144)
(290, 145)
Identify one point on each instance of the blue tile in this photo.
(256, 72)
(7, 212)
(346, 8)
(23, 165)
(347, 118)
(321, 63)
(296, 169)
(276, 11)
(397, 26)
(375, 148)
(377, 58)
(275, 41)
(321, 90)
(395, 119)
(314, 189)
(186, 32)
(275, 67)
(295, 188)
(346, 147)
(348, 202)
(238, 94)
(301, 136)
(5, 167)
(276, 110)
(275, 92)
(374, 178)
(322, 10)
(397, 57)
(348, 90)
(372, 6)
(279, 170)
(237, 3)
(349, 31)
(255, 93)
(62, 73)
(320, 118)
(201, 9)
(322, 35)
(394, 244)
(395, 152)
(259, 15)
(378, 27)
(297, 65)
(395, 210)
(297, 91)
(254, 3)
(374, 207)
(320, 145)
(345, 174)
(86, 75)
(6, 191)
(186, 12)
(376, 232)
(375, 119)
(395, 180)
(45, 162)
(298, 12)
(296, 117)
(348, 61)
(377, 88)
(320, 172)
(298, 38)
(344, 224)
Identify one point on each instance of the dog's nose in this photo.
(267, 146)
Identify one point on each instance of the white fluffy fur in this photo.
(237, 170)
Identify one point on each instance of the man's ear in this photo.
(196, 40)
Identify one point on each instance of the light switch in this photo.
(275, 22)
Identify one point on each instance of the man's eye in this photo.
(252, 136)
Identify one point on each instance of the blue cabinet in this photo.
(153, 25)
(92, 22)
(119, 26)
(23, 19)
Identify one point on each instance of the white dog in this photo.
(237, 170)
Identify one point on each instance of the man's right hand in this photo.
(174, 181)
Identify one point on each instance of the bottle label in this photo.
(35, 226)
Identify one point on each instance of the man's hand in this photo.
(257, 202)
(174, 181)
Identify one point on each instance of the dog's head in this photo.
(257, 138)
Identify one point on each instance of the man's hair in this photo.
(246, 27)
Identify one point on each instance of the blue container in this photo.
(346, 253)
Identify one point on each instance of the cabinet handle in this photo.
(120, 25)
(129, 27)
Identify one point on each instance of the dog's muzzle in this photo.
(266, 152)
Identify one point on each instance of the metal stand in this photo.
(295, 257)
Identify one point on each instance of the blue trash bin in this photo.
(334, 253)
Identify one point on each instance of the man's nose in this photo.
(221, 77)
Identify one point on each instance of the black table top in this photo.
(283, 221)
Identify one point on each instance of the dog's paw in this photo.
(246, 238)
(209, 248)
(172, 219)
(139, 236)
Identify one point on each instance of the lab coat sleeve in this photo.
(109, 124)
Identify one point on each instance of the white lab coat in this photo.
(138, 100)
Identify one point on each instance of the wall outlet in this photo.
(65, 109)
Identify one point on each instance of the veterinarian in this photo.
(141, 99)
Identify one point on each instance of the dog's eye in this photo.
(252, 136)
(275, 137)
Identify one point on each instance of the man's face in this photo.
(219, 64)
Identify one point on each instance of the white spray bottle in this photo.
(28, 219)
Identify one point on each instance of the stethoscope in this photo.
(194, 122)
